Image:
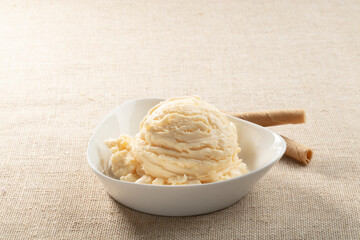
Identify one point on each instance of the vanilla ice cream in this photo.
(181, 141)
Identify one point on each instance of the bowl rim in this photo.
(118, 181)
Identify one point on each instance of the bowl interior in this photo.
(259, 146)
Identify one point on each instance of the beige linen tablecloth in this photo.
(65, 64)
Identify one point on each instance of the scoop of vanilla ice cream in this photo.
(181, 141)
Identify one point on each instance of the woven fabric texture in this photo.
(65, 64)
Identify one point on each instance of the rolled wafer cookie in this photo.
(294, 149)
(298, 151)
(274, 117)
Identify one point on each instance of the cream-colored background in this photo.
(65, 64)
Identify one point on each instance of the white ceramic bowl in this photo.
(260, 149)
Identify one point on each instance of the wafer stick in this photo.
(294, 149)
(298, 151)
(274, 117)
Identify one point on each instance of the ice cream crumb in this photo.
(145, 179)
(178, 180)
(129, 178)
(194, 182)
(159, 181)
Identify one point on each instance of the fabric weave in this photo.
(65, 64)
